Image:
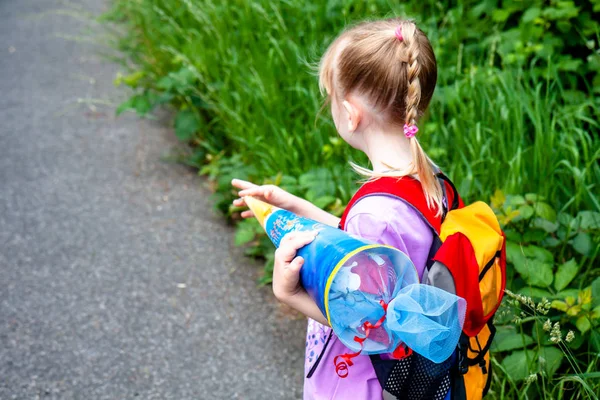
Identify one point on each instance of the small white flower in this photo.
(531, 378)
(570, 336)
(548, 326)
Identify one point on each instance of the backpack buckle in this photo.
(463, 365)
(483, 366)
(463, 368)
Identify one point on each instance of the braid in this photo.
(422, 163)
(413, 92)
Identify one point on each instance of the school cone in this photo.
(370, 293)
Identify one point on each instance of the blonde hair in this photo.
(396, 76)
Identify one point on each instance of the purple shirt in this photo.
(382, 219)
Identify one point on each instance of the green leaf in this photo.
(564, 219)
(539, 273)
(550, 359)
(567, 293)
(517, 365)
(549, 227)
(324, 201)
(535, 271)
(544, 211)
(319, 182)
(531, 14)
(507, 338)
(140, 103)
(514, 253)
(595, 339)
(534, 264)
(583, 324)
(500, 15)
(550, 242)
(243, 236)
(124, 106)
(582, 243)
(513, 236)
(536, 293)
(560, 305)
(165, 83)
(589, 220)
(254, 251)
(538, 253)
(246, 231)
(532, 197)
(133, 79)
(164, 98)
(515, 200)
(525, 212)
(267, 269)
(596, 292)
(186, 125)
(565, 274)
(565, 233)
(534, 236)
(569, 64)
(521, 364)
(497, 199)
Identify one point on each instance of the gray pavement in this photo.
(117, 278)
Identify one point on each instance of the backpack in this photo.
(467, 257)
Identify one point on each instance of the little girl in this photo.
(379, 78)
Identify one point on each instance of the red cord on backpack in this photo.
(341, 368)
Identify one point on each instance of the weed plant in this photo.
(515, 112)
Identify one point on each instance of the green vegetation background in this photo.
(514, 121)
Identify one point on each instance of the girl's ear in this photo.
(354, 115)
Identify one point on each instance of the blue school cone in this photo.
(370, 293)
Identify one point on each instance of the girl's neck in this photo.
(387, 149)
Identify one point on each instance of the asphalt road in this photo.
(117, 278)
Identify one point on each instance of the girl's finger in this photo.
(284, 254)
(239, 202)
(247, 214)
(289, 236)
(253, 191)
(297, 235)
(289, 246)
(240, 184)
(293, 269)
(290, 243)
(299, 240)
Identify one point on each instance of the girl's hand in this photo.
(271, 194)
(286, 272)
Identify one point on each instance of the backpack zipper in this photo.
(316, 364)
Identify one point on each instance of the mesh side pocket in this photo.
(399, 377)
(417, 378)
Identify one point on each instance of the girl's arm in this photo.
(306, 209)
(304, 304)
(280, 198)
(286, 276)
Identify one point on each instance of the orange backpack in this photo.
(467, 257)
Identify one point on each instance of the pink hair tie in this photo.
(398, 33)
(410, 130)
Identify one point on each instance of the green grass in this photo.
(243, 69)
(514, 111)
(512, 131)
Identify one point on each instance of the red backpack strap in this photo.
(410, 191)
